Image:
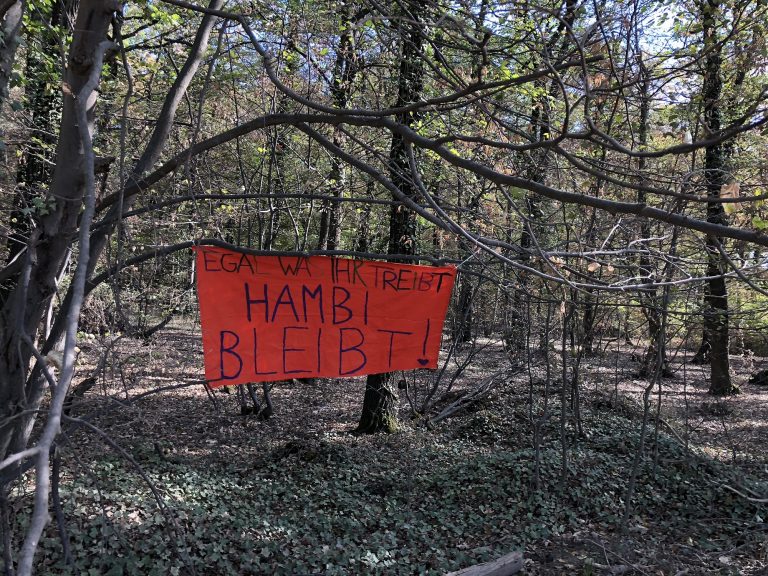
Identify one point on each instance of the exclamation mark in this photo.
(424, 360)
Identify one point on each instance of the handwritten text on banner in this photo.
(272, 317)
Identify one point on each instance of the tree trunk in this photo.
(588, 322)
(649, 298)
(379, 406)
(463, 331)
(657, 345)
(51, 241)
(10, 28)
(716, 300)
(364, 222)
(151, 153)
(344, 70)
(49, 244)
(537, 165)
(43, 103)
(462, 325)
(702, 354)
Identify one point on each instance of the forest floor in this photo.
(208, 491)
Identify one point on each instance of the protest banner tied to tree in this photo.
(275, 317)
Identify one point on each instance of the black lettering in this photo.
(245, 261)
(342, 267)
(354, 348)
(379, 270)
(288, 301)
(254, 302)
(388, 279)
(208, 262)
(225, 258)
(425, 282)
(392, 334)
(356, 272)
(256, 356)
(286, 350)
(300, 263)
(441, 275)
(426, 337)
(340, 305)
(316, 293)
(403, 280)
(230, 351)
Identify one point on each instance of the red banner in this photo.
(274, 317)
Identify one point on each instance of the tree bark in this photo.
(588, 322)
(46, 251)
(43, 104)
(10, 27)
(537, 165)
(649, 299)
(716, 300)
(50, 242)
(362, 241)
(150, 155)
(379, 406)
(344, 71)
(464, 321)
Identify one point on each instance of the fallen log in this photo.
(504, 566)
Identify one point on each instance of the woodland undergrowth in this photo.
(246, 497)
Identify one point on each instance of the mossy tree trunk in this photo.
(379, 405)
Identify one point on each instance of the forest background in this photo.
(595, 170)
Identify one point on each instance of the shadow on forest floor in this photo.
(299, 494)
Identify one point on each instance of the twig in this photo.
(612, 553)
(19, 456)
(745, 496)
(470, 397)
(61, 521)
